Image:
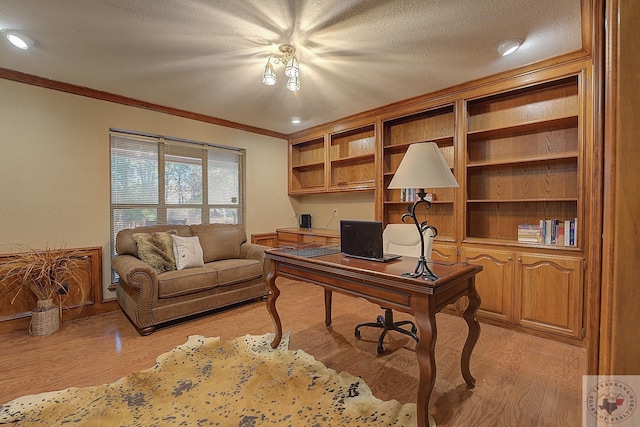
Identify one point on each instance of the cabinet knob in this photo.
(509, 258)
(519, 259)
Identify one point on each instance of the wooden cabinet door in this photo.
(285, 238)
(449, 253)
(444, 253)
(549, 293)
(494, 284)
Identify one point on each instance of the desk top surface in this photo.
(340, 265)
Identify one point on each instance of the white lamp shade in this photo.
(423, 166)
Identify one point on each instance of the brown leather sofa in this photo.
(234, 271)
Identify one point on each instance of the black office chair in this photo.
(400, 239)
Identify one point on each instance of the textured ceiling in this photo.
(207, 56)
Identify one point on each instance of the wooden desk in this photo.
(382, 284)
(296, 236)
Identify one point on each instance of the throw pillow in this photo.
(164, 242)
(219, 241)
(153, 251)
(188, 252)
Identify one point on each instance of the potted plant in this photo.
(47, 274)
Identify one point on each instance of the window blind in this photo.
(161, 180)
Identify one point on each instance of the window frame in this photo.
(162, 207)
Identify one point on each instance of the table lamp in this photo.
(423, 166)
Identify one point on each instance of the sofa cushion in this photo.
(188, 252)
(220, 241)
(156, 250)
(125, 245)
(232, 271)
(183, 282)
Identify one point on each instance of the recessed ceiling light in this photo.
(509, 46)
(295, 121)
(19, 40)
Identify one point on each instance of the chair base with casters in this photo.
(388, 324)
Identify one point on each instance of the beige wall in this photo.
(352, 205)
(54, 167)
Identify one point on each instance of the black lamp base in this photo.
(422, 269)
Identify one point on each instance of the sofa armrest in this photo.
(255, 251)
(137, 290)
(127, 266)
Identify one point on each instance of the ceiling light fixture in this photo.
(291, 68)
(509, 46)
(19, 40)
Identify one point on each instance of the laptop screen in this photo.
(361, 238)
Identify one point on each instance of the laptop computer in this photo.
(363, 239)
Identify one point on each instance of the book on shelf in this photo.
(558, 232)
(529, 233)
(411, 195)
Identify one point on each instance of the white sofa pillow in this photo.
(188, 252)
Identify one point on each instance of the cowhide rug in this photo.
(209, 382)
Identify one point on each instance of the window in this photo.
(160, 180)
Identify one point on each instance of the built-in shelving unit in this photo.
(307, 166)
(522, 152)
(352, 159)
(437, 125)
(334, 162)
(523, 165)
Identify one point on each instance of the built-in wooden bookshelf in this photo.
(352, 159)
(523, 165)
(333, 162)
(307, 166)
(437, 125)
(522, 153)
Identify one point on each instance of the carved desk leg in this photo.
(328, 297)
(271, 303)
(474, 332)
(425, 351)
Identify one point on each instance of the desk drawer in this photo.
(389, 298)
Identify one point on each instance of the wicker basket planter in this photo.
(49, 274)
(45, 319)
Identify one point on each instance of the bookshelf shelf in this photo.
(546, 200)
(433, 202)
(308, 166)
(514, 161)
(351, 159)
(568, 121)
(441, 141)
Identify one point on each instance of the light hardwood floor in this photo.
(521, 380)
